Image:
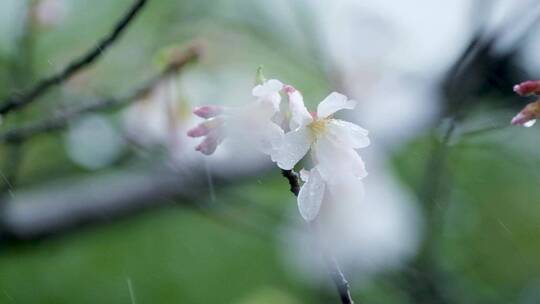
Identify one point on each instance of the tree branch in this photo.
(60, 120)
(20, 100)
(294, 182)
(62, 206)
(337, 275)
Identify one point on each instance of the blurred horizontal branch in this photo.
(65, 205)
(22, 99)
(60, 119)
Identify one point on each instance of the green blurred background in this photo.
(482, 221)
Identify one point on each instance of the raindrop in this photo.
(131, 293)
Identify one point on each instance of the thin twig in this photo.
(294, 183)
(60, 120)
(337, 275)
(485, 130)
(19, 100)
(340, 281)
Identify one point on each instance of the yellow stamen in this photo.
(318, 126)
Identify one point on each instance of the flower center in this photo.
(318, 126)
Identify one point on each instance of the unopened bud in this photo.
(527, 88)
(527, 117)
(205, 127)
(289, 89)
(208, 111)
(198, 131)
(210, 143)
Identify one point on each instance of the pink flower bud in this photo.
(527, 88)
(210, 143)
(207, 147)
(289, 89)
(528, 115)
(205, 127)
(208, 111)
(198, 131)
(521, 119)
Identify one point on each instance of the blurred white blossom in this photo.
(368, 233)
(50, 12)
(160, 117)
(254, 123)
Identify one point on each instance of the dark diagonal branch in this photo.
(337, 275)
(60, 120)
(23, 99)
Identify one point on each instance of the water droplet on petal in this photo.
(529, 123)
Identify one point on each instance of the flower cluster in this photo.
(290, 133)
(527, 117)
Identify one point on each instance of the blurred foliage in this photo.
(488, 244)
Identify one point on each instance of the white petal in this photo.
(335, 160)
(256, 112)
(292, 148)
(267, 88)
(300, 116)
(274, 85)
(311, 196)
(345, 187)
(333, 103)
(304, 175)
(270, 137)
(268, 92)
(347, 134)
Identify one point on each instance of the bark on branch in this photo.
(20, 100)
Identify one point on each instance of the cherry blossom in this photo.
(255, 123)
(290, 133)
(331, 141)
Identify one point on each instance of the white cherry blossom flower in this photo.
(332, 141)
(338, 167)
